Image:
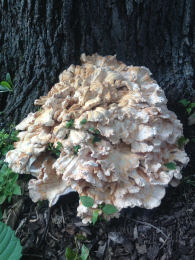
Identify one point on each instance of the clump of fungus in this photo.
(117, 138)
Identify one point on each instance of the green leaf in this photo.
(5, 150)
(8, 185)
(87, 201)
(109, 209)
(4, 169)
(59, 146)
(189, 110)
(58, 149)
(171, 165)
(55, 150)
(84, 252)
(6, 85)
(192, 105)
(95, 216)
(80, 237)
(9, 198)
(76, 149)
(95, 139)
(13, 177)
(50, 147)
(2, 198)
(10, 247)
(70, 253)
(1, 214)
(84, 121)
(8, 79)
(70, 123)
(182, 141)
(4, 89)
(184, 102)
(97, 132)
(17, 189)
(92, 129)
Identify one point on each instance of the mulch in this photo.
(162, 233)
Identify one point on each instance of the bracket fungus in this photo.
(116, 134)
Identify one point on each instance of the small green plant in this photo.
(188, 106)
(10, 247)
(182, 141)
(6, 85)
(189, 180)
(39, 109)
(76, 149)
(94, 131)
(170, 165)
(8, 184)
(55, 150)
(107, 209)
(96, 135)
(8, 178)
(7, 140)
(70, 123)
(73, 254)
(84, 121)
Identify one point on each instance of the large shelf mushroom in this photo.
(116, 134)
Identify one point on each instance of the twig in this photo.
(20, 225)
(150, 225)
(164, 243)
(46, 228)
(62, 215)
(37, 217)
(54, 238)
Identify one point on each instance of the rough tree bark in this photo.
(39, 39)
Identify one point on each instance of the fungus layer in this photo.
(116, 133)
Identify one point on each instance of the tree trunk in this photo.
(39, 39)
